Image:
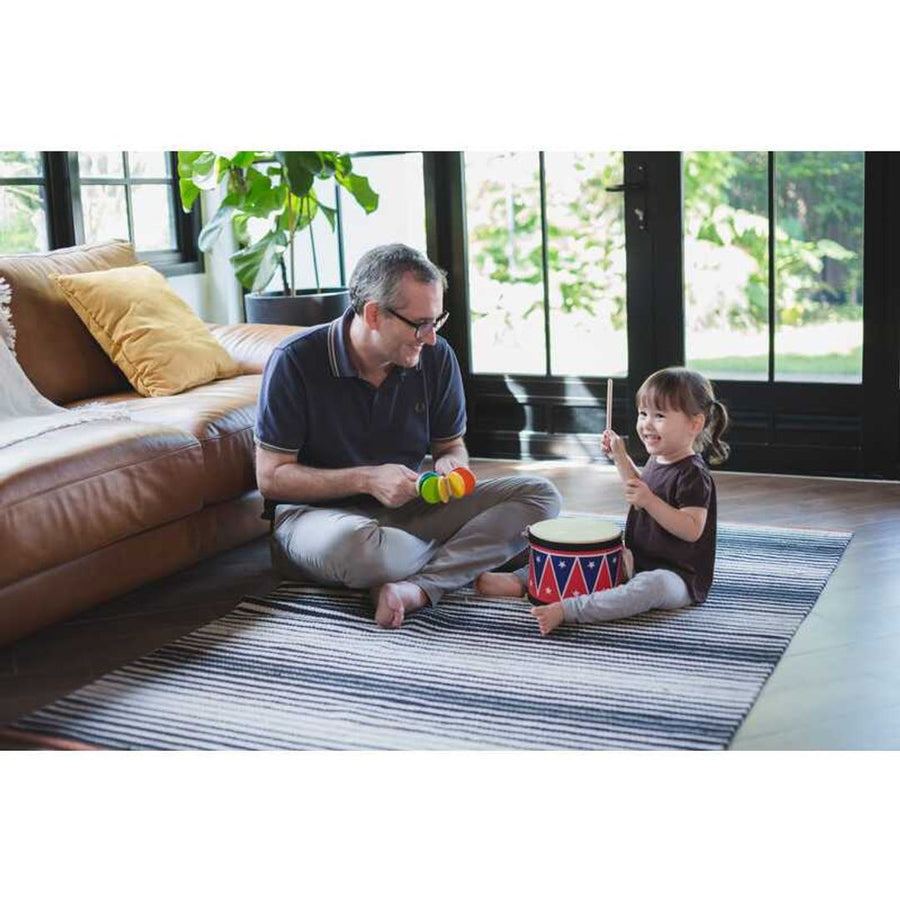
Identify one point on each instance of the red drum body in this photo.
(572, 556)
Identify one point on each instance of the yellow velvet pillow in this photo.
(146, 329)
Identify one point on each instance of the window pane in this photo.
(586, 255)
(105, 216)
(818, 266)
(20, 164)
(101, 165)
(400, 217)
(148, 165)
(503, 217)
(326, 249)
(152, 216)
(326, 241)
(23, 224)
(726, 263)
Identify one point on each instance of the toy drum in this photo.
(573, 556)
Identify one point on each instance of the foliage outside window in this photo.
(585, 254)
(818, 203)
(23, 221)
(816, 266)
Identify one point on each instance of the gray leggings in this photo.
(654, 589)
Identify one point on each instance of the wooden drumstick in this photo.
(608, 403)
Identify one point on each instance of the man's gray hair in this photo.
(378, 274)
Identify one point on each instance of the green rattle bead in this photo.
(427, 486)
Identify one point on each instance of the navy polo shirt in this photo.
(313, 403)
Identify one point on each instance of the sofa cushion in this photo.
(71, 492)
(221, 416)
(53, 347)
(252, 345)
(146, 329)
(62, 591)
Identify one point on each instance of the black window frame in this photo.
(836, 429)
(65, 228)
(42, 181)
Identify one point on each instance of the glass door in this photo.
(545, 274)
(774, 233)
(546, 263)
(773, 300)
(768, 271)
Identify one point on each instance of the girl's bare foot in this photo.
(500, 584)
(549, 617)
(394, 600)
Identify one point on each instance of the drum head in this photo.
(575, 530)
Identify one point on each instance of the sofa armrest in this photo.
(251, 345)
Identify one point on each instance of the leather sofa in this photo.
(93, 510)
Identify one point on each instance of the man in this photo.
(347, 413)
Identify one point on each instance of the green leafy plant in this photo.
(271, 190)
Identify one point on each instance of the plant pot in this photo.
(311, 306)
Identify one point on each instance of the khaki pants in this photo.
(438, 547)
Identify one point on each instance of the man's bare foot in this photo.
(549, 617)
(394, 600)
(500, 584)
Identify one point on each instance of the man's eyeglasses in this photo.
(423, 329)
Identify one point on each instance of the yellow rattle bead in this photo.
(456, 483)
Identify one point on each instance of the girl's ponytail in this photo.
(718, 422)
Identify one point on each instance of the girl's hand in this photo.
(637, 493)
(613, 445)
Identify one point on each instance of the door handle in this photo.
(640, 212)
(639, 185)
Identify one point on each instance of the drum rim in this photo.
(592, 547)
(589, 520)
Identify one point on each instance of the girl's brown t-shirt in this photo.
(680, 484)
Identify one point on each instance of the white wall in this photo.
(191, 289)
(224, 300)
(214, 294)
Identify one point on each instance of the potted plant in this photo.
(273, 193)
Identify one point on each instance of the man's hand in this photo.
(637, 493)
(391, 485)
(449, 455)
(446, 464)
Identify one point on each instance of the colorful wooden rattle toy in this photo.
(434, 488)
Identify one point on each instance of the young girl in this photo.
(671, 528)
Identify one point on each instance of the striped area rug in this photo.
(306, 668)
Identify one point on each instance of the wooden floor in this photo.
(837, 686)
